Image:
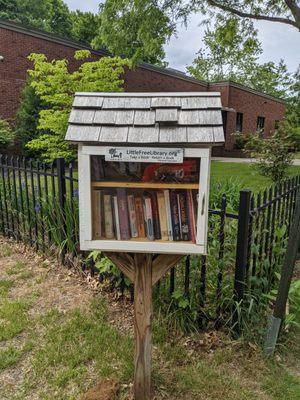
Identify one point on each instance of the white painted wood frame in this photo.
(141, 246)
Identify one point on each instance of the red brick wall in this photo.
(251, 105)
(16, 46)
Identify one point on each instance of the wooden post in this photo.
(142, 325)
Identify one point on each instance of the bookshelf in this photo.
(109, 179)
(145, 185)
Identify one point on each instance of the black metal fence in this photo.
(39, 206)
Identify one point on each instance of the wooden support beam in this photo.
(162, 264)
(123, 262)
(142, 325)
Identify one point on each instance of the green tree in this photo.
(56, 87)
(231, 52)
(27, 118)
(84, 26)
(9, 9)
(134, 29)
(60, 20)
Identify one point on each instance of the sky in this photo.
(278, 40)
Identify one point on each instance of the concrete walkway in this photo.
(245, 160)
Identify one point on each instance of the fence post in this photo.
(60, 165)
(241, 254)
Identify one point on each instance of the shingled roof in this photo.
(139, 118)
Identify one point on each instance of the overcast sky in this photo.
(278, 40)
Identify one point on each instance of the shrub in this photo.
(273, 155)
(6, 134)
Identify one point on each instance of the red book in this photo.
(123, 214)
(140, 216)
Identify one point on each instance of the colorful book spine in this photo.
(162, 215)
(97, 214)
(155, 215)
(175, 215)
(140, 216)
(168, 213)
(108, 217)
(123, 214)
(132, 216)
(191, 216)
(148, 217)
(179, 216)
(116, 218)
(184, 216)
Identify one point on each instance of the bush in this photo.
(273, 155)
(6, 134)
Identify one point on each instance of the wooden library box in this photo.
(144, 169)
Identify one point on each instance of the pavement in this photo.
(296, 162)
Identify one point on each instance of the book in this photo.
(162, 215)
(140, 216)
(148, 217)
(191, 216)
(96, 214)
(155, 215)
(108, 217)
(123, 214)
(179, 215)
(116, 218)
(168, 213)
(175, 215)
(184, 215)
(132, 216)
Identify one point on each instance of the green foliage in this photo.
(27, 118)
(273, 155)
(231, 52)
(84, 26)
(292, 120)
(56, 86)
(6, 134)
(134, 29)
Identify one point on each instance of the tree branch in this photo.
(242, 14)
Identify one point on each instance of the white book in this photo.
(117, 221)
(168, 211)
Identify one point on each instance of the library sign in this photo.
(143, 176)
(138, 154)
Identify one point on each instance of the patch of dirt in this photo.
(104, 390)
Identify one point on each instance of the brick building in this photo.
(244, 109)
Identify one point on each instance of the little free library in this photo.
(144, 172)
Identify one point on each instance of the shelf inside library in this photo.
(144, 185)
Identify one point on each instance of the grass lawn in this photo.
(59, 337)
(244, 173)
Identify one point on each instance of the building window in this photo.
(239, 122)
(260, 125)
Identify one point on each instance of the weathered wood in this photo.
(84, 117)
(125, 117)
(166, 115)
(144, 117)
(105, 117)
(203, 134)
(172, 134)
(114, 134)
(142, 325)
(80, 133)
(162, 264)
(143, 134)
(122, 261)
